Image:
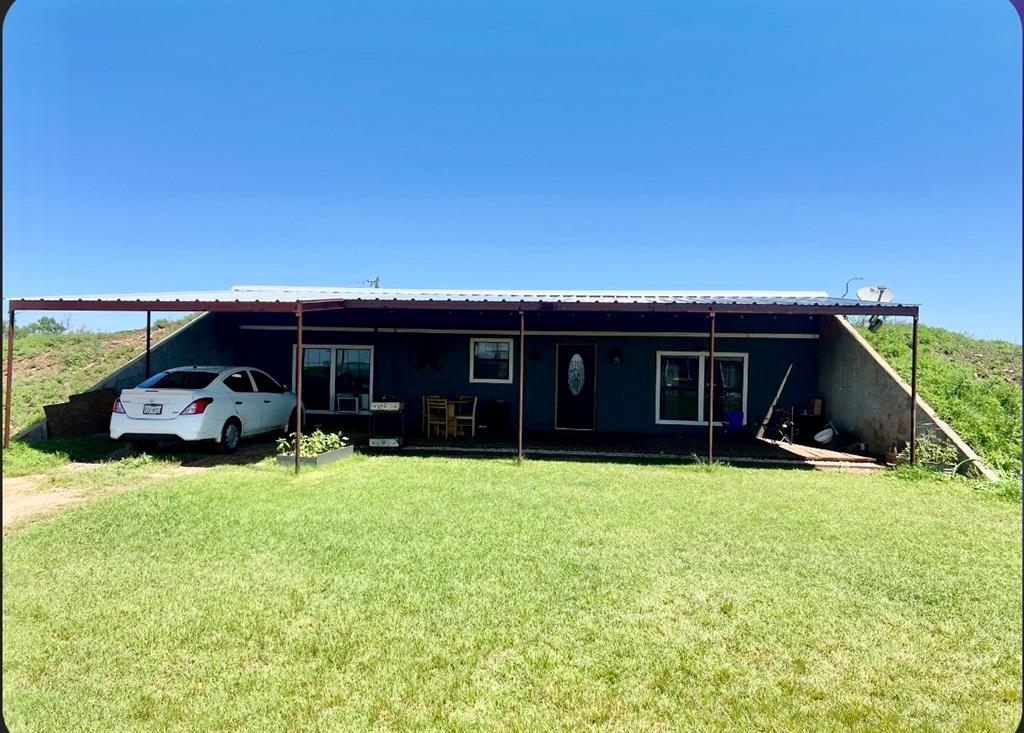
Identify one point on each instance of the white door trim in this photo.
(333, 348)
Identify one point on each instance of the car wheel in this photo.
(290, 427)
(139, 446)
(229, 436)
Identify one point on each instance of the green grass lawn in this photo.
(46, 456)
(428, 593)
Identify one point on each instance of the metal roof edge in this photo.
(538, 292)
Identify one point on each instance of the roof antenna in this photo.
(847, 290)
(375, 281)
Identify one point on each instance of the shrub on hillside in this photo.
(973, 384)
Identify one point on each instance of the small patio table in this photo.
(453, 411)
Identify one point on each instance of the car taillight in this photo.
(198, 407)
(118, 407)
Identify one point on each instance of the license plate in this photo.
(152, 409)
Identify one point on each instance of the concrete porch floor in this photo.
(740, 451)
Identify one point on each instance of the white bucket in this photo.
(825, 436)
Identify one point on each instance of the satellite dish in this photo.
(876, 294)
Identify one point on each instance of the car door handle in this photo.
(266, 402)
(238, 402)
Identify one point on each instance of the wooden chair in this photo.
(423, 410)
(437, 414)
(462, 419)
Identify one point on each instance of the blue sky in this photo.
(153, 146)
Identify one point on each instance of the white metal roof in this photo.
(280, 297)
(294, 294)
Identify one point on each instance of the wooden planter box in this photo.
(328, 457)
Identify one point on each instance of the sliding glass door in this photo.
(352, 378)
(337, 378)
(684, 386)
(316, 378)
(729, 386)
(679, 393)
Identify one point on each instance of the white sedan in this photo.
(223, 404)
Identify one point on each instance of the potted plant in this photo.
(318, 448)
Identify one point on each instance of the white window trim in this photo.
(703, 358)
(700, 392)
(511, 359)
(334, 364)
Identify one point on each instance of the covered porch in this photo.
(636, 375)
(747, 450)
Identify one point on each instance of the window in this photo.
(684, 381)
(679, 394)
(179, 380)
(264, 383)
(490, 360)
(729, 386)
(352, 379)
(316, 379)
(238, 382)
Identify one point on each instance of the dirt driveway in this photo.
(27, 499)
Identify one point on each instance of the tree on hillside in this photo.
(45, 325)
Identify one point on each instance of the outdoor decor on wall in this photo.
(427, 357)
(577, 374)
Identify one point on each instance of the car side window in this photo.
(238, 382)
(266, 383)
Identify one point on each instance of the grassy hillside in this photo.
(50, 367)
(973, 384)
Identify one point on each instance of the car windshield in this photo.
(179, 380)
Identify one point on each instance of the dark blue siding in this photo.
(625, 392)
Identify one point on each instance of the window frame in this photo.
(745, 356)
(511, 359)
(252, 382)
(280, 387)
(702, 357)
(700, 391)
(334, 380)
(334, 364)
(155, 378)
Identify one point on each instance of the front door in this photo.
(575, 386)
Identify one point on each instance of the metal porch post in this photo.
(298, 385)
(711, 387)
(913, 396)
(149, 340)
(8, 387)
(522, 370)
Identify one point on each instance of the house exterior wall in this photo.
(625, 392)
(210, 340)
(865, 397)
